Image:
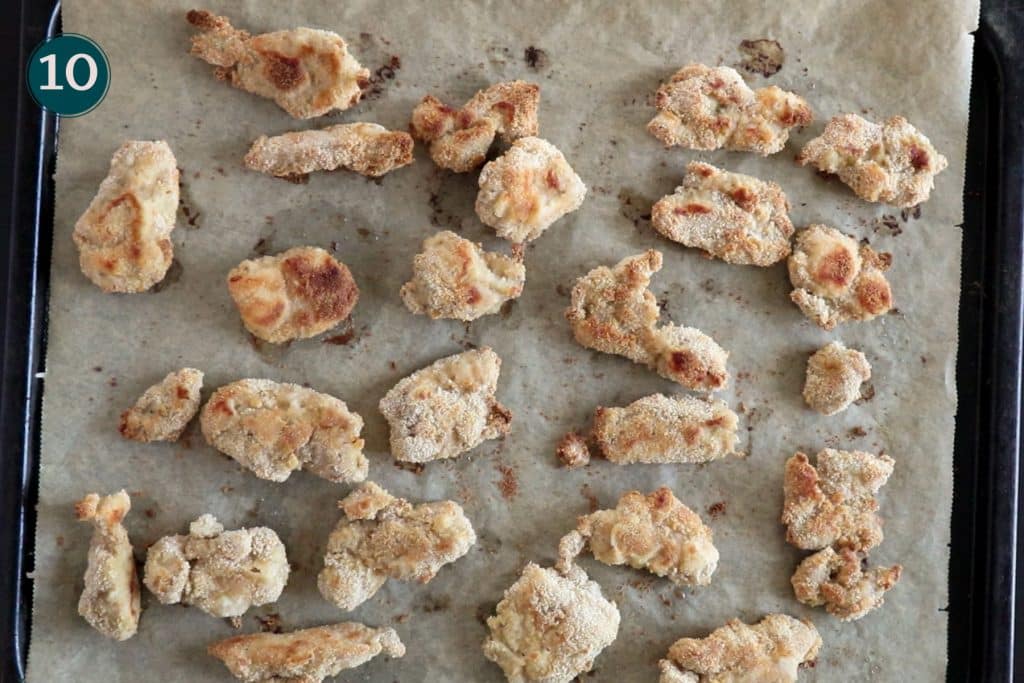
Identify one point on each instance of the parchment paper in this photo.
(601, 65)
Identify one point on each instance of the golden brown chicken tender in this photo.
(840, 582)
(110, 599)
(305, 656)
(365, 148)
(384, 537)
(274, 428)
(296, 294)
(730, 216)
(459, 139)
(124, 237)
(892, 163)
(704, 107)
(456, 279)
(165, 409)
(834, 376)
(307, 72)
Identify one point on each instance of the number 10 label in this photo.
(68, 74)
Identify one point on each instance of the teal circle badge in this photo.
(68, 74)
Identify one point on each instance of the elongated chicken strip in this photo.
(307, 72)
(382, 537)
(834, 377)
(365, 148)
(223, 573)
(124, 237)
(110, 599)
(275, 428)
(840, 582)
(306, 656)
(165, 409)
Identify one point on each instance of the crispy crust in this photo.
(613, 311)
(704, 107)
(572, 450)
(276, 428)
(165, 409)
(892, 163)
(459, 139)
(223, 573)
(365, 148)
(446, 408)
(308, 655)
(456, 279)
(384, 537)
(663, 429)
(834, 280)
(124, 237)
(731, 216)
(110, 598)
(526, 189)
(834, 376)
(307, 72)
(840, 582)
(296, 294)
(834, 504)
(771, 650)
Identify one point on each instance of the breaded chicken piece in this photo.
(307, 72)
(892, 163)
(834, 376)
(223, 573)
(526, 189)
(613, 311)
(572, 450)
(365, 148)
(384, 537)
(165, 409)
(840, 582)
(834, 504)
(124, 237)
(446, 408)
(731, 216)
(550, 626)
(770, 651)
(110, 599)
(663, 429)
(835, 280)
(704, 107)
(456, 279)
(296, 294)
(655, 532)
(306, 656)
(459, 139)
(274, 428)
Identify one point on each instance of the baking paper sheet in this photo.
(601, 62)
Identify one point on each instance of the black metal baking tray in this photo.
(984, 549)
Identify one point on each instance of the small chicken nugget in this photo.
(165, 409)
(840, 582)
(834, 376)
(572, 450)
(365, 148)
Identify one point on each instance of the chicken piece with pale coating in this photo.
(770, 651)
(459, 139)
(382, 537)
(705, 107)
(834, 376)
(366, 148)
(110, 598)
(834, 504)
(124, 236)
(734, 217)
(306, 656)
(307, 72)
(892, 163)
(223, 573)
(446, 408)
(165, 409)
(273, 429)
(656, 533)
(836, 280)
(840, 582)
(455, 279)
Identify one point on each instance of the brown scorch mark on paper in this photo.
(762, 56)
(508, 484)
(536, 58)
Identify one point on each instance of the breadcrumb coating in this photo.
(306, 656)
(366, 148)
(124, 236)
(572, 450)
(892, 163)
(840, 582)
(834, 376)
(731, 216)
(703, 107)
(384, 537)
(307, 72)
(165, 409)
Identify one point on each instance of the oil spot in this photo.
(536, 58)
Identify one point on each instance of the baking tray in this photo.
(984, 546)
